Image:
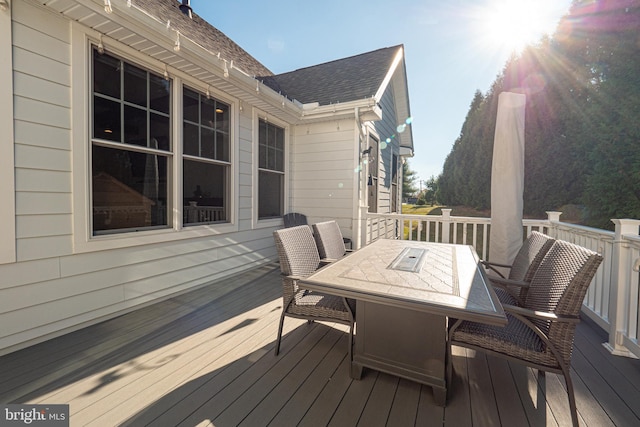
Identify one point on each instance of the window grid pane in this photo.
(206, 143)
(130, 187)
(271, 170)
(212, 117)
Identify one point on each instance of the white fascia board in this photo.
(368, 108)
(387, 78)
(406, 152)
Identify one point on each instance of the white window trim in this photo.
(83, 238)
(372, 133)
(7, 162)
(269, 222)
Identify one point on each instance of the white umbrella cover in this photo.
(507, 179)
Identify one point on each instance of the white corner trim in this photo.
(7, 141)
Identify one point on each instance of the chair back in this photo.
(297, 251)
(329, 240)
(530, 255)
(559, 286)
(294, 219)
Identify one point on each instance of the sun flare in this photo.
(513, 24)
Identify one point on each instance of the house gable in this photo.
(339, 81)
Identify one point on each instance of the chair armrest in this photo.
(503, 283)
(496, 264)
(542, 315)
(493, 266)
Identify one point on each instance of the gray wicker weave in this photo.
(539, 333)
(294, 219)
(299, 259)
(329, 240)
(521, 271)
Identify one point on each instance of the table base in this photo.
(403, 342)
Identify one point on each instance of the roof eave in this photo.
(368, 110)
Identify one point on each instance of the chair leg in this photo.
(351, 342)
(279, 334)
(572, 397)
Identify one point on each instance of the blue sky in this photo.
(452, 48)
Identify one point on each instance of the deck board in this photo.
(206, 358)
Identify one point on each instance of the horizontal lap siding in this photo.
(42, 99)
(387, 128)
(323, 172)
(51, 290)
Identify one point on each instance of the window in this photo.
(372, 181)
(206, 160)
(131, 149)
(394, 183)
(270, 170)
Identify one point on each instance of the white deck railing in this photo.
(613, 299)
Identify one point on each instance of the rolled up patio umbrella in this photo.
(507, 179)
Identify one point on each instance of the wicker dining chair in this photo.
(299, 259)
(539, 333)
(294, 219)
(521, 271)
(329, 241)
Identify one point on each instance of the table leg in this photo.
(440, 395)
(356, 371)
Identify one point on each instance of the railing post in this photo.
(619, 289)
(364, 220)
(553, 217)
(446, 221)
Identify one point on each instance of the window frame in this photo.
(272, 221)
(227, 164)
(395, 175)
(373, 171)
(81, 115)
(122, 145)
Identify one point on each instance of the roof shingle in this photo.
(203, 33)
(342, 80)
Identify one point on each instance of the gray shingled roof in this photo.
(203, 33)
(342, 80)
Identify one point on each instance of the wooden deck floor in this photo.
(206, 358)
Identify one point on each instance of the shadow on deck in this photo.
(206, 358)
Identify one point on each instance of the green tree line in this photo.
(582, 119)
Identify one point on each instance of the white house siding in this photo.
(386, 128)
(51, 290)
(323, 178)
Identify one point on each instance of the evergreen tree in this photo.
(408, 181)
(582, 119)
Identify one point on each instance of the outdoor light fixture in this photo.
(176, 46)
(370, 180)
(100, 45)
(107, 6)
(4, 5)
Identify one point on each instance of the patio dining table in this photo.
(406, 291)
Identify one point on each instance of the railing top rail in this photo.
(471, 219)
(582, 229)
(635, 239)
